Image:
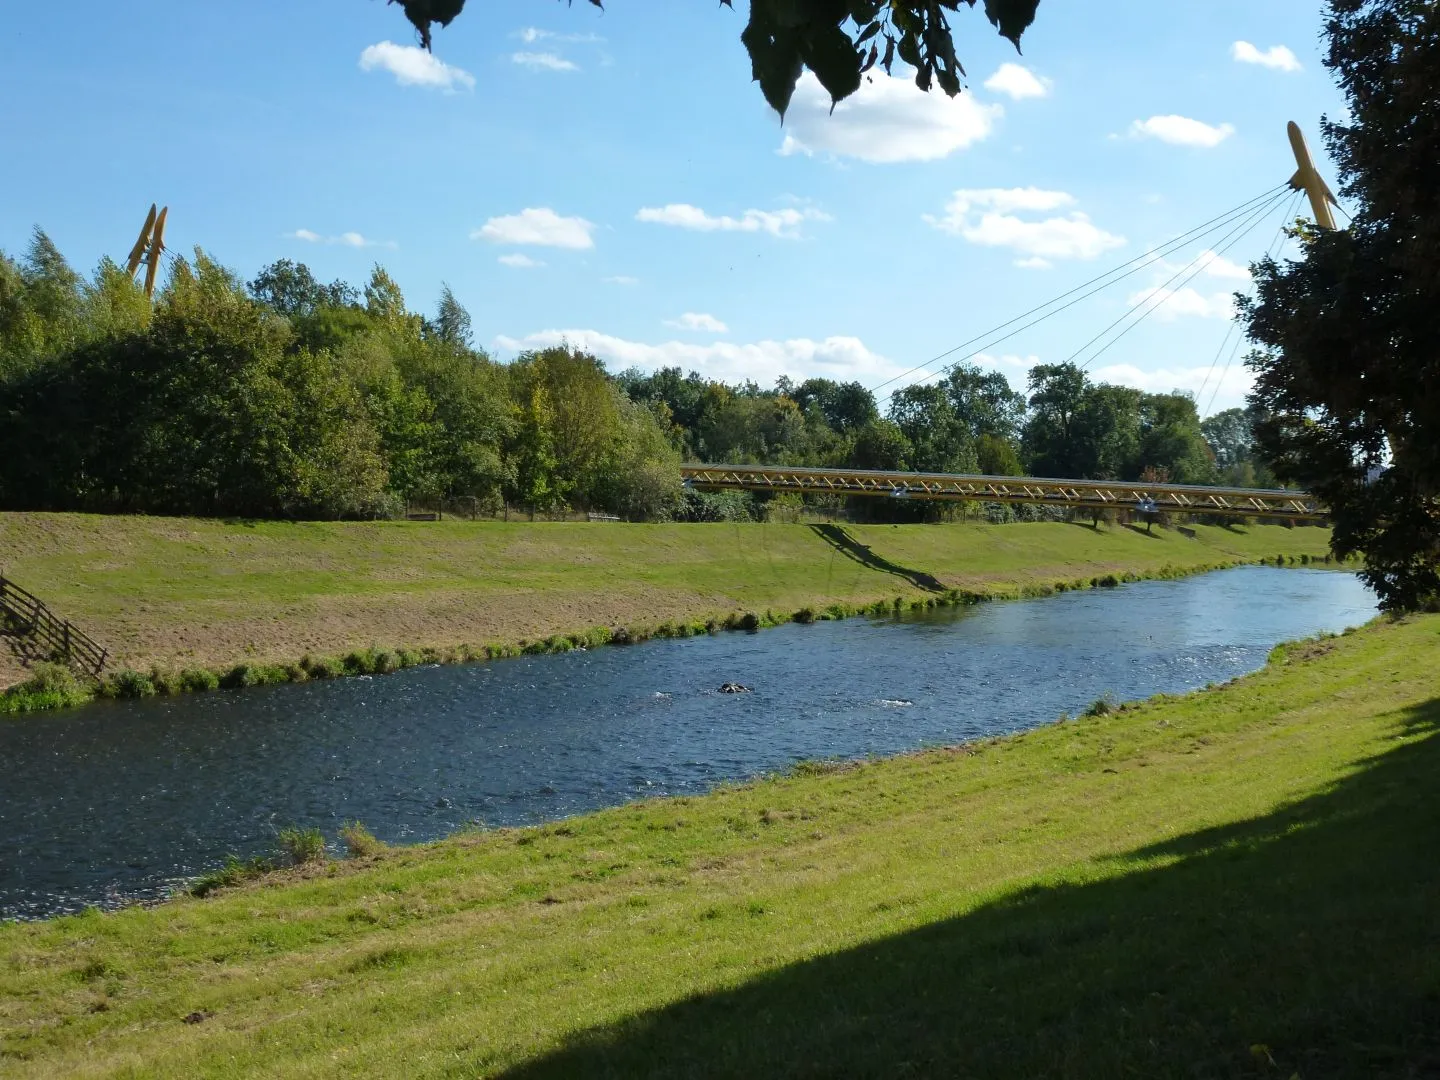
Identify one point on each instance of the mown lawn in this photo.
(1241, 882)
(179, 592)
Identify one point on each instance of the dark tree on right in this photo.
(1348, 359)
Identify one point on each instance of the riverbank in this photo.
(1238, 881)
(182, 593)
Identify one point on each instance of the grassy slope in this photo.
(175, 591)
(1241, 882)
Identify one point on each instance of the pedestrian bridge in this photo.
(1084, 494)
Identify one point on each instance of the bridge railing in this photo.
(1088, 494)
(25, 617)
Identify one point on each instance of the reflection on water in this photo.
(122, 800)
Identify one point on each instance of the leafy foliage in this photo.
(50, 686)
(838, 40)
(292, 399)
(1348, 359)
(1231, 436)
(425, 13)
(286, 398)
(1078, 429)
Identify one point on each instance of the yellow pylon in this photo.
(148, 248)
(1307, 179)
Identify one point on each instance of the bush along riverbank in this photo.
(53, 686)
(1236, 882)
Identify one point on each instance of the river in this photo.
(121, 801)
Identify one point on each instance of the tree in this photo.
(1231, 437)
(880, 444)
(40, 305)
(290, 289)
(1171, 439)
(383, 298)
(452, 321)
(201, 410)
(997, 456)
(838, 40)
(114, 303)
(846, 407)
(1347, 357)
(1057, 393)
(940, 440)
(984, 402)
(682, 397)
(1108, 430)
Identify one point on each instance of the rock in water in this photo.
(734, 688)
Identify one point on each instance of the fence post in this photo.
(67, 640)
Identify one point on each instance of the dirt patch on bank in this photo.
(336, 625)
(11, 672)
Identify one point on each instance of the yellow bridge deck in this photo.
(1089, 494)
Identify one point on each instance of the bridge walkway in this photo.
(1086, 494)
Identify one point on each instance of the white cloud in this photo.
(531, 34)
(621, 279)
(989, 217)
(544, 61)
(1221, 267)
(1277, 57)
(1034, 262)
(413, 66)
(1017, 82)
(1209, 263)
(520, 261)
(1182, 131)
(783, 223)
(1008, 360)
(1009, 200)
(887, 120)
(1167, 302)
(1167, 305)
(540, 226)
(840, 358)
(694, 320)
(346, 239)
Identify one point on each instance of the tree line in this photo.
(285, 397)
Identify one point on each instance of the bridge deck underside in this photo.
(1086, 494)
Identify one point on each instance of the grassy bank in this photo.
(1237, 883)
(179, 594)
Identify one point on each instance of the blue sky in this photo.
(615, 179)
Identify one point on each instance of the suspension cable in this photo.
(1270, 253)
(1136, 264)
(1164, 293)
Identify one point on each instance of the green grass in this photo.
(47, 686)
(1241, 882)
(244, 599)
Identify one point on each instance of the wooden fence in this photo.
(39, 635)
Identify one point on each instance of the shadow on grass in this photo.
(847, 545)
(1305, 942)
(1142, 532)
(23, 649)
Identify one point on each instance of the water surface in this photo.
(122, 800)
